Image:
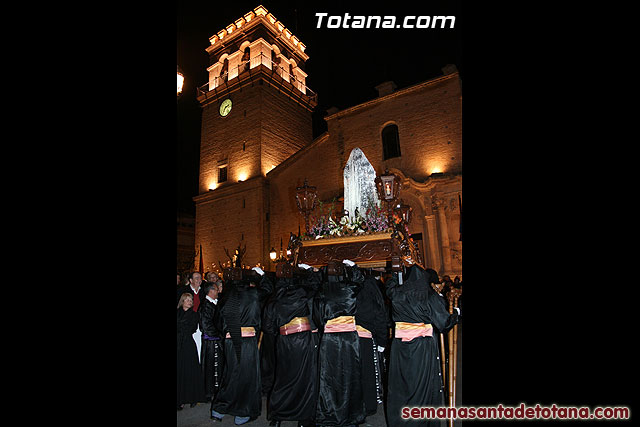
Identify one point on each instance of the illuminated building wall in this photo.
(428, 116)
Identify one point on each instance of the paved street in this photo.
(199, 417)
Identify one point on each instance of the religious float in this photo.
(379, 238)
(372, 229)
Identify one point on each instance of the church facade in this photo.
(257, 147)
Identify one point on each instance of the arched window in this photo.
(275, 59)
(292, 77)
(246, 57)
(224, 71)
(390, 142)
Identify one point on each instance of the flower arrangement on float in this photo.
(327, 224)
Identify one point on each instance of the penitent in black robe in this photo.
(294, 393)
(267, 355)
(240, 393)
(415, 379)
(189, 380)
(371, 314)
(211, 353)
(340, 400)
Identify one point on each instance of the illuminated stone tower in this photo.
(256, 112)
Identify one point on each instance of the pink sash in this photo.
(408, 331)
(363, 332)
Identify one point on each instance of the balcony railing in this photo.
(247, 66)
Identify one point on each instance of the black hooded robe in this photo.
(371, 314)
(189, 376)
(211, 353)
(240, 393)
(340, 399)
(267, 355)
(294, 393)
(415, 377)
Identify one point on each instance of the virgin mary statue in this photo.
(359, 184)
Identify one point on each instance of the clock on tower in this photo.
(256, 71)
(225, 107)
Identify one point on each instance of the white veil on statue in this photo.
(359, 184)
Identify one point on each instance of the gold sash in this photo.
(297, 324)
(341, 324)
(363, 332)
(406, 326)
(247, 331)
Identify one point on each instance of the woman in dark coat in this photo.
(190, 383)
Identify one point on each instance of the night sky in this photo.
(344, 66)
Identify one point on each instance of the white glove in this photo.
(349, 263)
(305, 266)
(458, 310)
(380, 349)
(258, 270)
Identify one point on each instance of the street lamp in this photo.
(404, 210)
(388, 186)
(272, 254)
(306, 198)
(180, 81)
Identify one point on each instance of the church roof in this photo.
(401, 92)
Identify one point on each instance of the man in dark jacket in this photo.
(211, 355)
(194, 288)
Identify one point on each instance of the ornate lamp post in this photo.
(404, 210)
(388, 186)
(282, 257)
(306, 199)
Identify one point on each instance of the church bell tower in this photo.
(256, 112)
